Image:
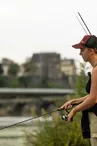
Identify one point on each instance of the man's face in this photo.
(85, 53)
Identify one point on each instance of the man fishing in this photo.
(88, 103)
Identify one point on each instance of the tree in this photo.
(29, 67)
(81, 81)
(13, 69)
(1, 69)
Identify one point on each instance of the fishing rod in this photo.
(84, 24)
(65, 117)
(81, 25)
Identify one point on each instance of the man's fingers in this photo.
(69, 106)
(61, 108)
(65, 106)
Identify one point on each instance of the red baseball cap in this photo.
(82, 43)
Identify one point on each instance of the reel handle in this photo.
(65, 117)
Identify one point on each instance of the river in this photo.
(14, 136)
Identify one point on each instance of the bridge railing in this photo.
(36, 91)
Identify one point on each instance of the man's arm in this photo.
(90, 100)
(79, 100)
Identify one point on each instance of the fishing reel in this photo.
(65, 117)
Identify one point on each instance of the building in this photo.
(68, 67)
(48, 65)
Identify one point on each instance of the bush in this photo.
(58, 132)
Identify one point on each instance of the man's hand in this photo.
(67, 105)
(71, 114)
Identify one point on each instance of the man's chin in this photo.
(85, 60)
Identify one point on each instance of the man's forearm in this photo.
(87, 103)
(79, 100)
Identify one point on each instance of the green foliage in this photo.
(14, 83)
(13, 69)
(52, 84)
(81, 82)
(30, 67)
(2, 83)
(58, 132)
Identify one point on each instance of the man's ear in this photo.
(91, 51)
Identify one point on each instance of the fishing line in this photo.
(84, 23)
(81, 25)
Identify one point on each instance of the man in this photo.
(88, 103)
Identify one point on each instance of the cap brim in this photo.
(78, 46)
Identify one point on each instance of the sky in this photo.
(34, 26)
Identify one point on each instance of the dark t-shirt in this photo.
(85, 118)
(88, 87)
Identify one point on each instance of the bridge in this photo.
(20, 101)
(36, 91)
